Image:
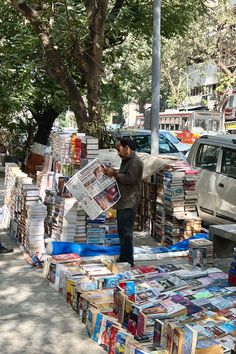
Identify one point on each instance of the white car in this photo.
(215, 156)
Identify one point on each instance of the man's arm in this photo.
(129, 177)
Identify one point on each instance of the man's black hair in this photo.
(128, 142)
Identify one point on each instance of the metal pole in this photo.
(156, 54)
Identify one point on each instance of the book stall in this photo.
(59, 215)
(175, 303)
(186, 307)
(168, 203)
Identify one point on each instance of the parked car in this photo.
(215, 156)
(142, 138)
(184, 148)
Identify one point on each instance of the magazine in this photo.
(94, 191)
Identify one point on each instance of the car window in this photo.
(143, 143)
(228, 166)
(207, 157)
(165, 146)
(171, 137)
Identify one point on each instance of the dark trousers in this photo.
(125, 224)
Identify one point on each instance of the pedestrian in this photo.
(129, 179)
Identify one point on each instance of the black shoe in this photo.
(5, 250)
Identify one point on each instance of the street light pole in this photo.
(156, 54)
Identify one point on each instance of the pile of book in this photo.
(168, 204)
(201, 252)
(164, 308)
(34, 240)
(111, 237)
(96, 230)
(81, 226)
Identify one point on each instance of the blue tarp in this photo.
(180, 246)
(86, 250)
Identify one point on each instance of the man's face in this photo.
(122, 151)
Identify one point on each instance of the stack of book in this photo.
(190, 190)
(36, 213)
(96, 230)
(91, 147)
(81, 228)
(190, 225)
(173, 190)
(111, 237)
(69, 221)
(201, 252)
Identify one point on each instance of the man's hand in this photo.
(109, 172)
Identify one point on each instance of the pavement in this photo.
(34, 319)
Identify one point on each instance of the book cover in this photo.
(127, 310)
(178, 338)
(199, 257)
(158, 329)
(119, 347)
(129, 289)
(105, 332)
(97, 326)
(133, 320)
(113, 340)
(142, 323)
(169, 337)
(190, 340)
(209, 346)
(90, 321)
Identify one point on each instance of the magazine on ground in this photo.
(94, 191)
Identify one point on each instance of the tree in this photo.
(209, 39)
(75, 35)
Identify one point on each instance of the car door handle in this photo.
(221, 185)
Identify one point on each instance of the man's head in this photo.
(125, 147)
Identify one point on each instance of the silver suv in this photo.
(215, 156)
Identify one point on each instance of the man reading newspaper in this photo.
(129, 179)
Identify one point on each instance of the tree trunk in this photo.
(44, 119)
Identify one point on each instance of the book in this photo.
(178, 339)
(209, 346)
(158, 331)
(190, 340)
(199, 257)
(113, 339)
(105, 332)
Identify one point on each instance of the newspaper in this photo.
(94, 191)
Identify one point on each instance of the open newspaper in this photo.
(94, 191)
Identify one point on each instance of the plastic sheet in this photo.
(86, 250)
(83, 250)
(180, 246)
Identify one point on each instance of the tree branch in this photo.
(56, 67)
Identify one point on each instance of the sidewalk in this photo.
(34, 319)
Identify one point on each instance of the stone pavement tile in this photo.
(34, 319)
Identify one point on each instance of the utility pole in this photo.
(156, 56)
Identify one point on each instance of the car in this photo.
(215, 157)
(142, 138)
(184, 148)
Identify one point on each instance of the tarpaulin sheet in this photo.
(180, 246)
(86, 250)
(83, 250)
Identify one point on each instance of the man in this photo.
(129, 179)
